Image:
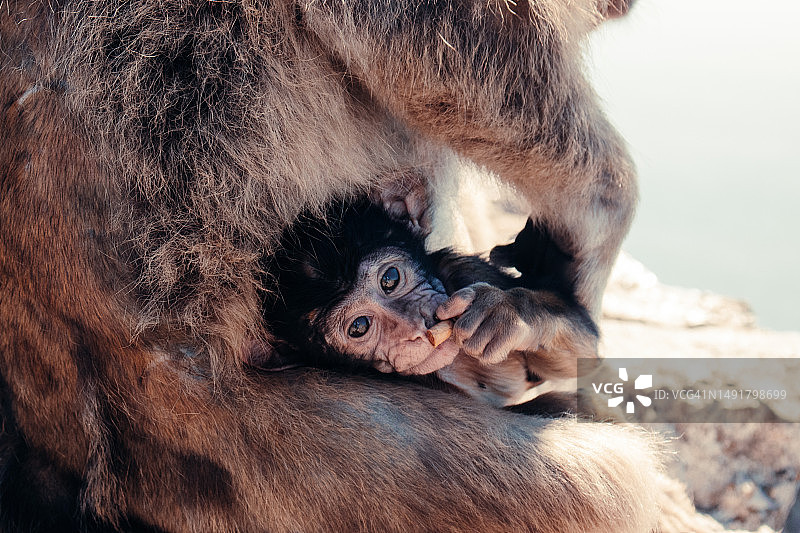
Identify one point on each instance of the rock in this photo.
(634, 294)
(744, 475)
(783, 493)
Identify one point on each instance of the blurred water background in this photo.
(707, 94)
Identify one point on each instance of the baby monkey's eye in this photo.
(390, 279)
(359, 327)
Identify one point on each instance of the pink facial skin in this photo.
(385, 317)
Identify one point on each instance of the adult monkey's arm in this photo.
(105, 432)
(504, 86)
(101, 432)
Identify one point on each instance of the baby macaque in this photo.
(356, 287)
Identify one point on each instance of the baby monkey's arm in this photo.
(536, 313)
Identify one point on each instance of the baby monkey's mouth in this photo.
(441, 356)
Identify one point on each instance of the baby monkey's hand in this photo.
(493, 322)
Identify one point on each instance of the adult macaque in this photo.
(153, 152)
(357, 286)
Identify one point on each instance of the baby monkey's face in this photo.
(384, 319)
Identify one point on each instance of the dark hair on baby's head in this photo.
(317, 263)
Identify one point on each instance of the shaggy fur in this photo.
(218, 115)
(152, 151)
(210, 112)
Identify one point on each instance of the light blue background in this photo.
(707, 94)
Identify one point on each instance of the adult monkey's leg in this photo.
(505, 89)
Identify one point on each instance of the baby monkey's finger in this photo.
(494, 328)
(458, 302)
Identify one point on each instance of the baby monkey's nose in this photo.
(428, 310)
(429, 316)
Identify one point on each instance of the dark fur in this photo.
(316, 267)
(151, 151)
(317, 261)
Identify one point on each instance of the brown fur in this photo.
(152, 150)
